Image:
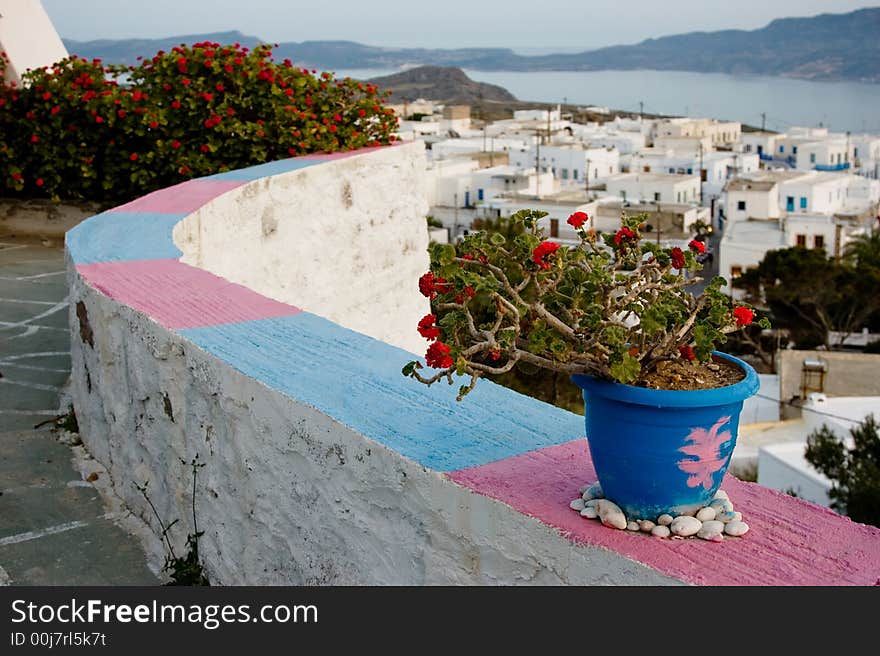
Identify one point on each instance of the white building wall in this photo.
(28, 37)
(758, 204)
(665, 188)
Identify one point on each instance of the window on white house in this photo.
(801, 240)
(741, 205)
(818, 241)
(657, 195)
(812, 158)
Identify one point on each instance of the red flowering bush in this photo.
(83, 129)
(614, 306)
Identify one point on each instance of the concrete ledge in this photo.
(41, 218)
(324, 464)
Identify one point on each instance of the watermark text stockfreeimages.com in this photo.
(210, 616)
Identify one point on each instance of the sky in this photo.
(528, 26)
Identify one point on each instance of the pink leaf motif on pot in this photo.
(705, 445)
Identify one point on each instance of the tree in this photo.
(810, 294)
(854, 471)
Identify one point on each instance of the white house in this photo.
(831, 154)
(762, 144)
(784, 466)
(660, 187)
(714, 167)
(28, 37)
(782, 209)
(570, 163)
(719, 133)
(866, 154)
(743, 246)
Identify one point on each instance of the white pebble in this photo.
(632, 526)
(688, 513)
(589, 513)
(685, 526)
(706, 514)
(591, 503)
(737, 516)
(728, 516)
(611, 514)
(577, 504)
(660, 531)
(664, 520)
(736, 528)
(721, 494)
(721, 505)
(594, 491)
(646, 525)
(713, 526)
(583, 488)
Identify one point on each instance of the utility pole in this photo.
(587, 178)
(641, 109)
(455, 223)
(701, 171)
(763, 120)
(537, 162)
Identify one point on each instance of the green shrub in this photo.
(84, 130)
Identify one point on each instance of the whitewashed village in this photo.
(744, 193)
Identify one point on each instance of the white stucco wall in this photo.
(289, 495)
(28, 37)
(333, 240)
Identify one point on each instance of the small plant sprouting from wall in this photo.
(186, 569)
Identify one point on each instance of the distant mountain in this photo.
(824, 47)
(443, 84)
(126, 51)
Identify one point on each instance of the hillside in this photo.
(442, 84)
(824, 47)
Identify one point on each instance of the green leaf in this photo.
(627, 370)
(410, 367)
(497, 239)
(446, 254)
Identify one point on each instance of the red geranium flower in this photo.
(686, 352)
(678, 258)
(437, 356)
(697, 246)
(39, 182)
(427, 329)
(175, 104)
(578, 219)
(544, 251)
(430, 286)
(624, 234)
(175, 144)
(744, 316)
(133, 157)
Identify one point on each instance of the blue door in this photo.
(789, 204)
(467, 199)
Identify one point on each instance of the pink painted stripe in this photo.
(183, 198)
(342, 154)
(180, 296)
(790, 542)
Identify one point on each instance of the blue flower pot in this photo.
(662, 451)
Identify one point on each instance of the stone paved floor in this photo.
(54, 527)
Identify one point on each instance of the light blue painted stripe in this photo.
(357, 381)
(264, 170)
(124, 236)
